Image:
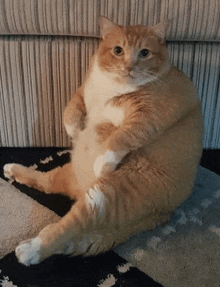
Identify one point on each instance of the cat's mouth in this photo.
(129, 75)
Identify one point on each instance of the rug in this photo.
(105, 270)
(186, 251)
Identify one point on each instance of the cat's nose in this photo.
(128, 68)
(129, 71)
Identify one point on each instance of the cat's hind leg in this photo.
(59, 180)
(63, 237)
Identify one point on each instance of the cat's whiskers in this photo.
(156, 77)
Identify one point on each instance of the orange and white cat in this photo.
(136, 130)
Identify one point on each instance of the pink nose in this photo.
(128, 68)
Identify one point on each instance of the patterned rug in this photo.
(185, 251)
(105, 270)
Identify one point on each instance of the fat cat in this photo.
(136, 132)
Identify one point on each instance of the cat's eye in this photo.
(144, 53)
(118, 50)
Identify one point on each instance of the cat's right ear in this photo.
(105, 26)
(160, 29)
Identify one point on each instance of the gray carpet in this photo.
(186, 251)
(25, 211)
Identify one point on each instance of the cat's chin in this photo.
(132, 81)
(128, 80)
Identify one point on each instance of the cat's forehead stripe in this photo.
(134, 36)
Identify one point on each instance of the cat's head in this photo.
(133, 54)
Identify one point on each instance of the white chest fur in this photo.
(100, 88)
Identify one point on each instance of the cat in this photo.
(136, 131)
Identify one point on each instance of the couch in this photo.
(46, 48)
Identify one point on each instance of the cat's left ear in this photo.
(160, 29)
(105, 25)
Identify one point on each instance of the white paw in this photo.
(8, 170)
(72, 131)
(69, 248)
(96, 199)
(27, 251)
(105, 163)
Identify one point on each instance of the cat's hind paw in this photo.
(10, 170)
(28, 251)
(16, 172)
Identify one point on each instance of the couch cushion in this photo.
(193, 20)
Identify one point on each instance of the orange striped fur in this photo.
(137, 131)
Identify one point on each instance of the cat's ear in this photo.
(160, 29)
(105, 25)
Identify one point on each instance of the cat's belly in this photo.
(86, 151)
(87, 148)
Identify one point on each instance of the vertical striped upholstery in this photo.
(37, 78)
(46, 48)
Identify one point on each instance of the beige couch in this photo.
(46, 47)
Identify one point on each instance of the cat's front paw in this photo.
(28, 251)
(105, 163)
(72, 131)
